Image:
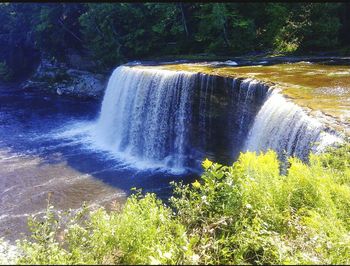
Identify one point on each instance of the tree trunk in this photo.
(225, 33)
(184, 23)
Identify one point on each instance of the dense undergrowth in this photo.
(245, 213)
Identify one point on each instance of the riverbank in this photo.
(247, 213)
(61, 79)
(67, 79)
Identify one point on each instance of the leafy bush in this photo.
(144, 232)
(249, 213)
(239, 214)
(338, 160)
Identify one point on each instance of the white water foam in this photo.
(285, 127)
(85, 133)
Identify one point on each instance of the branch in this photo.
(69, 31)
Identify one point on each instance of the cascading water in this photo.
(284, 127)
(145, 113)
(176, 117)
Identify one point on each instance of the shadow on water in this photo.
(27, 120)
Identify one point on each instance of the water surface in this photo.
(44, 150)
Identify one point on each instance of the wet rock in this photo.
(54, 77)
(80, 60)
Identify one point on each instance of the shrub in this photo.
(239, 214)
(249, 213)
(143, 232)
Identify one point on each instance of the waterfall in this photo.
(176, 118)
(285, 127)
(145, 113)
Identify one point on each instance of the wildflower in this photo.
(196, 184)
(207, 163)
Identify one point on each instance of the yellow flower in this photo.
(206, 163)
(196, 184)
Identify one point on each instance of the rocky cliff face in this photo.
(61, 79)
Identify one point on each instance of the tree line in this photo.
(112, 33)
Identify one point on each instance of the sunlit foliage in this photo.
(239, 214)
(118, 32)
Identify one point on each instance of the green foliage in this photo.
(125, 31)
(247, 213)
(307, 27)
(56, 28)
(113, 33)
(144, 232)
(322, 28)
(338, 160)
(219, 26)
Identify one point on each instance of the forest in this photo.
(113, 33)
